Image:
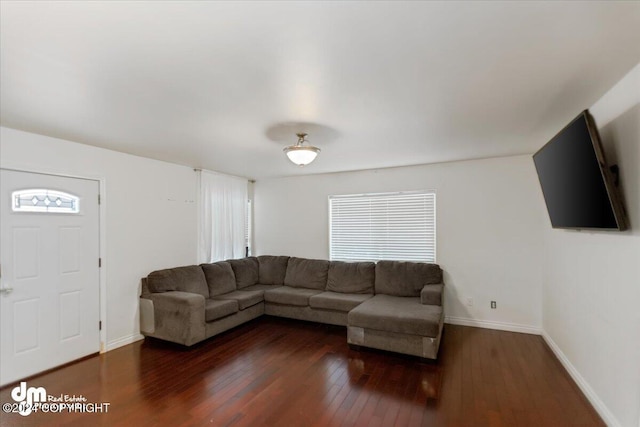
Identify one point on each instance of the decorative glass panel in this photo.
(38, 200)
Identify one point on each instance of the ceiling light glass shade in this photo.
(300, 154)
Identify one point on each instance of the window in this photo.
(390, 226)
(39, 200)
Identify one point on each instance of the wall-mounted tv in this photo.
(577, 184)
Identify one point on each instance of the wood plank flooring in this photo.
(278, 372)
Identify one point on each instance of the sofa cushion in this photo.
(184, 279)
(405, 279)
(351, 277)
(405, 315)
(217, 309)
(290, 296)
(261, 288)
(307, 273)
(220, 277)
(244, 298)
(272, 269)
(337, 301)
(246, 271)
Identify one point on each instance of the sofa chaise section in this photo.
(405, 315)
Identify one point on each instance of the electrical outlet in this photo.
(493, 304)
(469, 301)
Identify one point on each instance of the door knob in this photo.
(6, 290)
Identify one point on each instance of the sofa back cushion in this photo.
(272, 269)
(351, 277)
(405, 279)
(246, 271)
(220, 278)
(185, 279)
(307, 273)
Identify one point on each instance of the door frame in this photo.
(102, 241)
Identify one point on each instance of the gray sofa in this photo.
(389, 305)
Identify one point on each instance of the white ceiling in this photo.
(222, 85)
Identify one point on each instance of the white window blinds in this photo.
(390, 226)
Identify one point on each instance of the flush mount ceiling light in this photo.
(300, 154)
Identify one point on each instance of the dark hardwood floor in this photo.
(277, 372)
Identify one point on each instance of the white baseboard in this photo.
(489, 324)
(591, 395)
(124, 341)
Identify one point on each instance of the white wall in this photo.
(149, 215)
(591, 294)
(489, 216)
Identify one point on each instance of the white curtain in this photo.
(221, 216)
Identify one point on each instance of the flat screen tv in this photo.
(577, 184)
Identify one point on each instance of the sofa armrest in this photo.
(432, 294)
(176, 316)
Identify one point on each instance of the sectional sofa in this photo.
(388, 305)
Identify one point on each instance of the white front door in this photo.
(49, 274)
